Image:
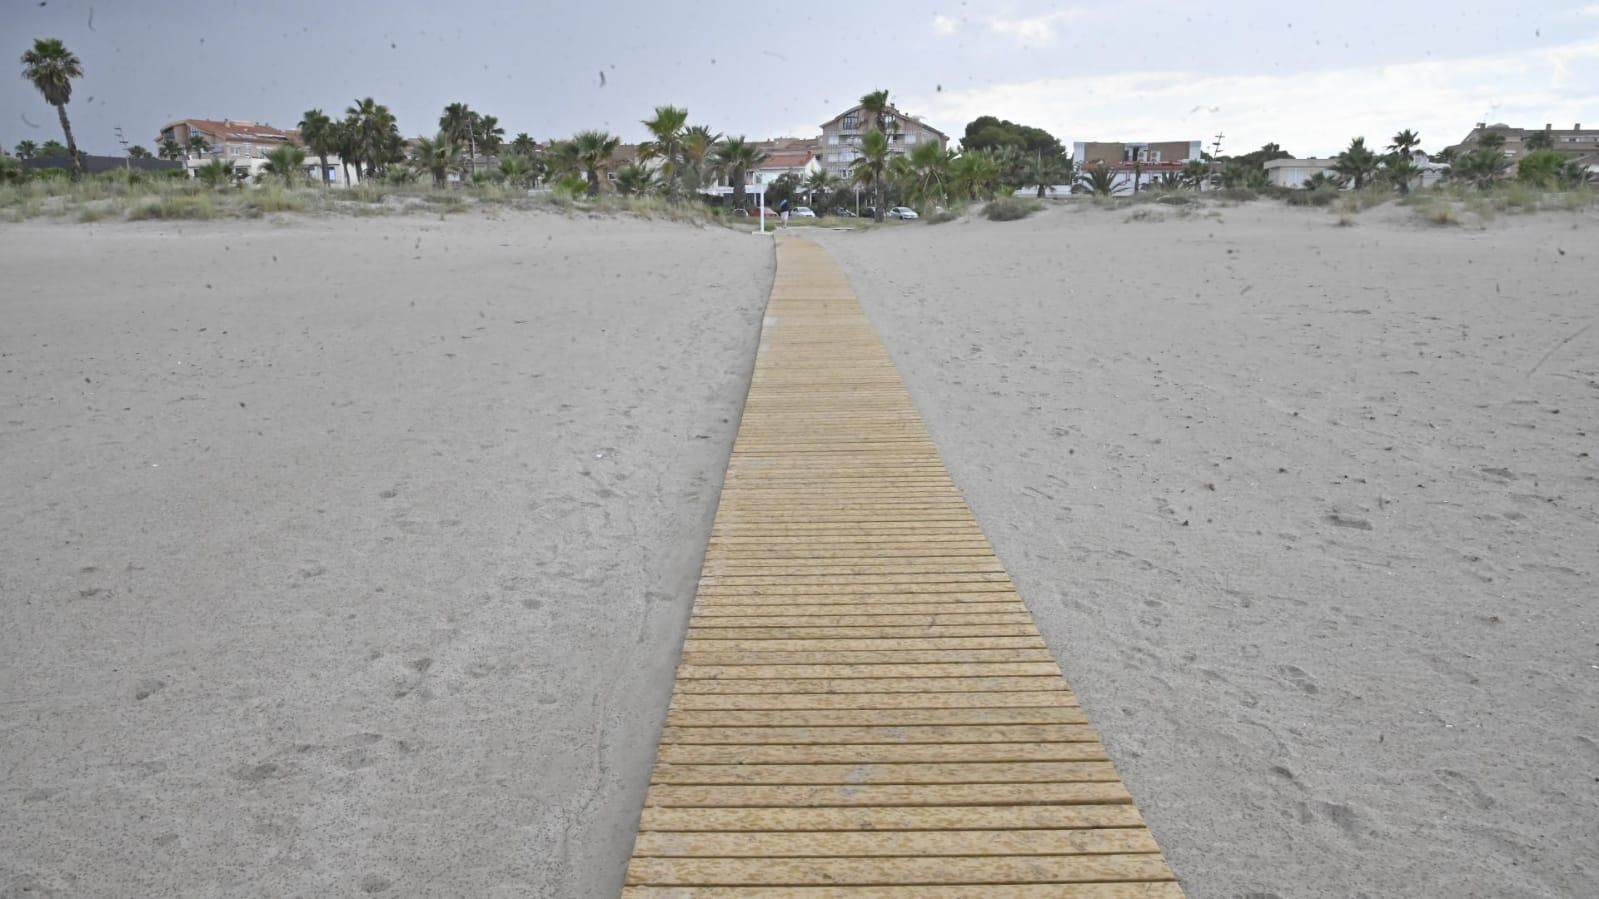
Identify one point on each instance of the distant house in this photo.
(841, 137)
(246, 145)
(1295, 172)
(1575, 141)
(1135, 161)
(799, 163)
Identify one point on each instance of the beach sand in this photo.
(352, 556)
(1309, 513)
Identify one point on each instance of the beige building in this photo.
(246, 145)
(839, 146)
(1574, 141)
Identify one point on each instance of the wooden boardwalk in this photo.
(863, 706)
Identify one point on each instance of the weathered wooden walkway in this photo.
(864, 707)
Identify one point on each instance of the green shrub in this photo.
(174, 206)
(1318, 197)
(942, 216)
(1009, 209)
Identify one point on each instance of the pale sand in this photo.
(1308, 514)
(352, 556)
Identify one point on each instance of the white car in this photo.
(803, 212)
(902, 212)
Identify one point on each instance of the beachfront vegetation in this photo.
(51, 68)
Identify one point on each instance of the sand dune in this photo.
(354, 556)
(1310, 514)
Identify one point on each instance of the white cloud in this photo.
(1591, 11)
(1309, 113)
(1033, 31)
(1036, 31)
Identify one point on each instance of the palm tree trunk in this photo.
(738, 189)
(72, 143)
(327, 178)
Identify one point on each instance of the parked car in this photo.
(842, 212)
(902, 212)
(803, 212)
(741, 212)
(756, 211)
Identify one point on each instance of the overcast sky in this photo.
(1308, 76)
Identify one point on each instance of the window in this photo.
(910, 138)
(832, 139)
(851, 122)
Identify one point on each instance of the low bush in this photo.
(1009, 209)
(942, 216)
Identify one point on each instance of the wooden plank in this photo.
(885, 685)
(889, 818)
(877, 753)
(963, 669)
(886, 773)
(874, 700)
(892, 871)
(874, 717)
(1124, 890)
(844, 644)
(968, 733)
(888, 794)
(818, 633)
(738, 656)
(802, 844)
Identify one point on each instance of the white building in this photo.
(1294, 173)
(799, 163)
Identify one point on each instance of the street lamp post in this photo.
(127, 161)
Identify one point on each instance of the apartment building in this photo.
(841, 137)
(1574, 141)
(244, 143)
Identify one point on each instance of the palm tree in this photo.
(517, 170)
(699, 148)
(876, 105)
(460, 125)
(1100, 181)
(735, 157)
(1405, 142)
(375, 134)
(26, 149)
(1492, 140)
(1048, 170)
(321, 137)
(1400, 170)
(820, 183)
(872, 164)
(138, 152)
(1195, 172)
(1323, 181)
(1357, 163)
(666, 143)
(926, 173)
(593, 151)
(1538, 140)
(974, 175)
(287, 160)
(198, 145)
(346, 140)
(490, 136)
(51, 67)
(215, 172)
(634, 179)
(438, 157)
(170, 149)
(1481, 167)
(524, 145)
(53, 149)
